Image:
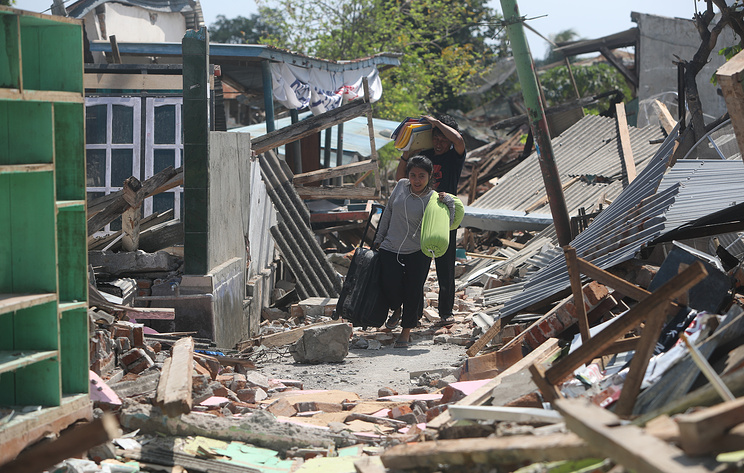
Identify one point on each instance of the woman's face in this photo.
(419, 179)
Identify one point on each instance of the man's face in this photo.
(441, 143)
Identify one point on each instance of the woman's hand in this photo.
(441, 196)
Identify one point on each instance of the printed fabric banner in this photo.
(299, 87)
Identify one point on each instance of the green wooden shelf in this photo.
(13, 360)
(24, 168)
(43, 248)
(14, 302)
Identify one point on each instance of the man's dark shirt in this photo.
(447, 170)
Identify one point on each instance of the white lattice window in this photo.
(112, 145)
(163, 148)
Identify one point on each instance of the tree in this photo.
(590, 80)
(564, 36)
(7, 2)
(442, 44)
(731, 16)
(241, 30)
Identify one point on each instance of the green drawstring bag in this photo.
(435, 228)
(459, 213)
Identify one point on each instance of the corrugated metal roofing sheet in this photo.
(634, 218)
(590, 148)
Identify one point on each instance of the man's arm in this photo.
(400, 171)
(450, 133)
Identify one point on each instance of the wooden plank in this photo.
(503, 413)
(41, 95)
(578, 291)
(309, 126)
(665, 118)
(11, 360)
(669, 290)
(70, 443)
(162, 456)
(14, 302)
(130, 218)
(617, 63)
(107, 80)
(484, 393)
(21, 168)
(481, 343)
(117, 206)
(338, 216)
(372, 147)
(343, 192)
(151, 313)
(650, 335)
(100, 203)
(174, 388)
(549, 391)
(31, 427)
(511, 450)
(627, 445)
(622, 131)
(339, 228)
(622, 346)
(701, 431)
(328, 173)
(608, 279)
(730, 80)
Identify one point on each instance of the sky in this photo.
(589, 18)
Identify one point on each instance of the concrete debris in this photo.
(324, 344)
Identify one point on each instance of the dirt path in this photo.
(364, 371)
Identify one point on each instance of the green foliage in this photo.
(240, 30)
(727, 52)
(590, 80)
(7, 2)
(388, 156)
(442, 43)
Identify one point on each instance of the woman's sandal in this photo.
(401, 344)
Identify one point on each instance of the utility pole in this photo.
(537, 120)
(58, 8)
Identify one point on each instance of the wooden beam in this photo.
(512, 450)
(130, 219)
(574, 275)
(100, 203)
(665, 118)
(677, 285)
(174, 388)
(627, 445)
(309, 126)
(344, 192)
(108, 80)
(645, 349)
(730, 79)
(328, 173)
(481, 343)
(371, 130)
(608, 279)
(701, 432)
(70, 443)
(622, 131)
(117, 206)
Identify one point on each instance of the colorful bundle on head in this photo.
(435, 227)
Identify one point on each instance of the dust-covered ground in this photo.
(365, 370)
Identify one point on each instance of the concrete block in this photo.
(254, 379)
(238, 382)
(322, 344)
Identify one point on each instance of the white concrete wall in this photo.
(663, 38)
